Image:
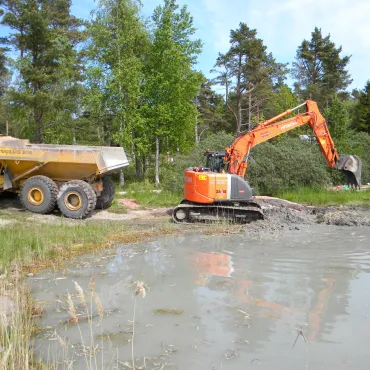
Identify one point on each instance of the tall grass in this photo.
(17, 329)
(311, 196)
(28, 242)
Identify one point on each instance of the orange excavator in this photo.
(219, 190)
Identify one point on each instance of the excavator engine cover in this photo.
(351, 166)
(206, 187)
(212, 196)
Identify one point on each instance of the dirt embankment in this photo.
(285, 213)
(279, 214)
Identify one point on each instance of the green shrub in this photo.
(357, 143)
(287, 164)
(172, 175)
(275, 167)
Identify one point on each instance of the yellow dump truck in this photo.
(73, 178)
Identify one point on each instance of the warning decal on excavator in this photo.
(202, 177)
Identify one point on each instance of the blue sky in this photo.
(282, 24)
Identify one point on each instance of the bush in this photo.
(275, 167)
(288, 164)
(357, 143)
(172, 175)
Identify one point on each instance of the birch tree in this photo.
(171, 83)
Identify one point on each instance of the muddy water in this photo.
(301, 301)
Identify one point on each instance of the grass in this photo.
(146, 194)
(322, 197)
(34, 246)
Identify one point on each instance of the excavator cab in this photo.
(215, 161)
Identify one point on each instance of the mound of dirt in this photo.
(342, 216)
(282, 215)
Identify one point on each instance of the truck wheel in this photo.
(76, 199)
(106, 197)
(39, 194)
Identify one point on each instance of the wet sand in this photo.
(296, 301)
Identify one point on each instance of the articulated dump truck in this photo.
(73, 178)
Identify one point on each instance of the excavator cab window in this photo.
(215, 161)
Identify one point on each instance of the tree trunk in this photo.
(196, 131)
(249, 111)
(157, 161)
(146, 165)
(239, 116)
(139, 167)
(107, 138)
(38, 129)
(121, 178)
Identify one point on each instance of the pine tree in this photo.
(248, 73)
(45, 36)
(210, 107)
(361, 119)
(319, 69)
(4, 83)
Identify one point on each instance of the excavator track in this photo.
(188, 212)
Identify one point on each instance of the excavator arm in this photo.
(238, 154)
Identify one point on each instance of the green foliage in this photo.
(288, 164)
(45, 37)
(282, 99)
(319, 69)
(173, 173)
(357, 143)
(4, 72)
(361, 119)
(337, 118)
(210, 107)
(274, 167)
(171, 84)
(248, 73)
(117, 49)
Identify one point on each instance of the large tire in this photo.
(39, 194)
(76, 199)
(106, 197)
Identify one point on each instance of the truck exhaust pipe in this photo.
(351, 166)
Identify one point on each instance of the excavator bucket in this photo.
(351, 165)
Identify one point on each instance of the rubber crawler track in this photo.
(252, 212)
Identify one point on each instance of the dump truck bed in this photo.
(59, 162)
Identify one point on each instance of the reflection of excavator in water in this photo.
(212, 266)
(219, 191)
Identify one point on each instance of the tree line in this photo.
(122, 79)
